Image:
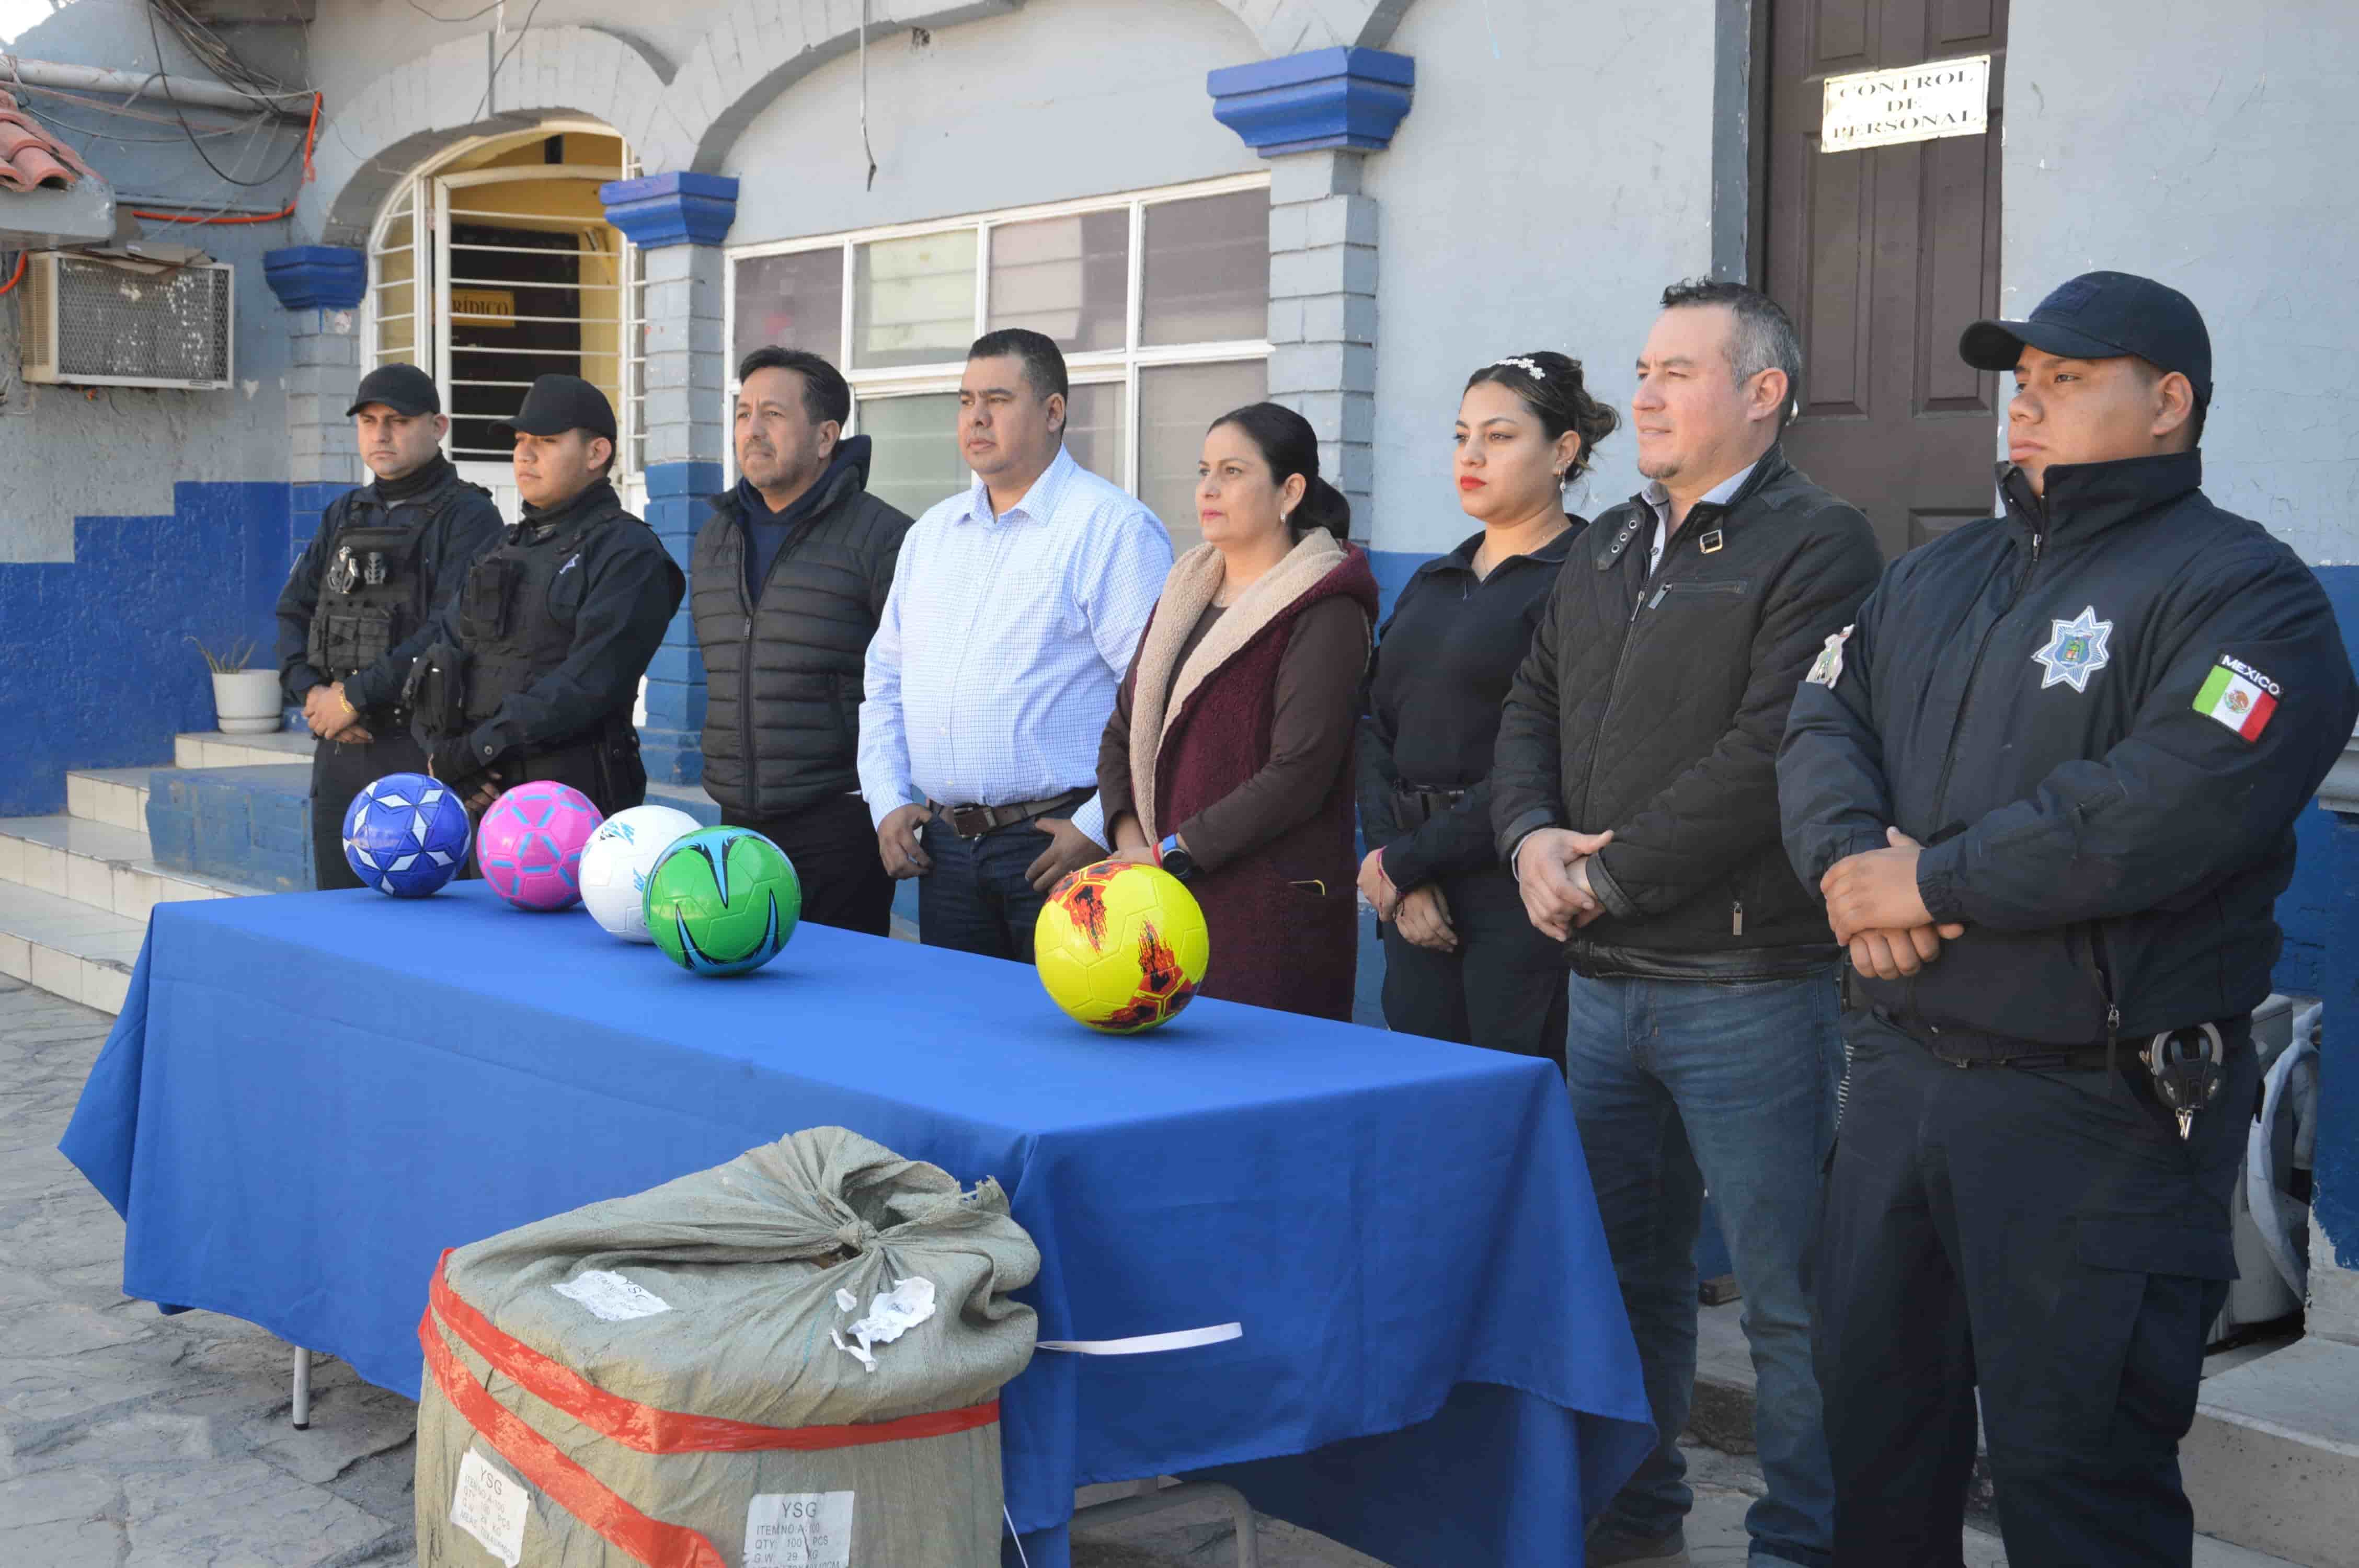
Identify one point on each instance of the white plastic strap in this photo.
(1147, 1343)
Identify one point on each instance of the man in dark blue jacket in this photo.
(2046, 785)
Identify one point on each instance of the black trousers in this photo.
(1503, 988)
(2048, 1238)
(340, 773)
(833, 847)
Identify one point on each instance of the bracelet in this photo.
(347, 703)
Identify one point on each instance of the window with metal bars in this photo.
(495, 265)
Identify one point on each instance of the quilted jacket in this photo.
(1653, 703)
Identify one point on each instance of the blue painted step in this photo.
(246, 824)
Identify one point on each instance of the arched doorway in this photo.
(494, 263)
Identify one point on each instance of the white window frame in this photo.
(422, 196)
(1095, 367)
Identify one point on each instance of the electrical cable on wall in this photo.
(505, 55)
(220, 173)
(310, 137)
(864, 148)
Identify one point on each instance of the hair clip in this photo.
(1529, 367)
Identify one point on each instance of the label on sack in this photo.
(493, 1509)
(798, 1530)
(611, 1297)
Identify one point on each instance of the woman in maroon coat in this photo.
(1228, 760)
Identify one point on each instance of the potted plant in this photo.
(245, 701)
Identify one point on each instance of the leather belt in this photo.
(975, 821)
(1427, 804)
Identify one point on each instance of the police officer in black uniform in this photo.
(2047, 785)
(368, 581)
(530, 670)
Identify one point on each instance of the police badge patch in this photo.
(1827, 668)
(2075, 651)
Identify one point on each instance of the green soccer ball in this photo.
(722, 901)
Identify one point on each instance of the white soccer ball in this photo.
(617, 860)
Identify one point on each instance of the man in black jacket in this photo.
(2099, 714)
(1634, 793)
(530, 670)
(385, 556)
(785, 584)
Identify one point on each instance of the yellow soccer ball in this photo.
(1121, 946)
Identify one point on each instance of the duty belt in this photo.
(1427, 804)
(975, 821)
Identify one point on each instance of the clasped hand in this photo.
(1876, 911)
(1553, 873)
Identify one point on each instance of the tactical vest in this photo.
(511, 635)
(374, 593)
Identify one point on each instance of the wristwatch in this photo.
(1173, 857)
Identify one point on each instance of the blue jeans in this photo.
(1682, 1085)
(976, 898)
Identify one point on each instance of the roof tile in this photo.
(30, 159)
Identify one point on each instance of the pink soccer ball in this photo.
(529, 846)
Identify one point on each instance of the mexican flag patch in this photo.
(2239, 697)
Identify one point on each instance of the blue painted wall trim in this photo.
(101, 672)
(1324, 98)
(680, 208)
(316, 277)
(672, 742)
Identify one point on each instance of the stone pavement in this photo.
(131, 1440)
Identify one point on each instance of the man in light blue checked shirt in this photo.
(1014, 614)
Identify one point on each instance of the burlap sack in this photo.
(681, 1403)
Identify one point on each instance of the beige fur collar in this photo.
(1164, 685)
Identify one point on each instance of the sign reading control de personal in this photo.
(1912, 104)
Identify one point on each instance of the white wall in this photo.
(1061, 99)
(2210, 146)
(1553, 176)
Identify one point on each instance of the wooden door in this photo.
(1883, 255)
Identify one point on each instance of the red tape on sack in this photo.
(652, 1430)
(581, 1494)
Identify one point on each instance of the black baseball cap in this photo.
(405, 389)
(2102, 316)
(555, 403)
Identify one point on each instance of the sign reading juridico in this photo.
(1911, 103)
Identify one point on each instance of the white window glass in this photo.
(793, 301)
(1094, 427)
(1205, 277)
(1065, 277)
(913, 300)
(917, 460)
(1176, 404)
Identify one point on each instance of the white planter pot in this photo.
(247, 701)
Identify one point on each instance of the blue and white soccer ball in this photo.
(617, 860)
(406, 835)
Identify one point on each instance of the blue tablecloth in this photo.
(308, 1096)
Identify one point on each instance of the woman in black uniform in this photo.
(1462, 960)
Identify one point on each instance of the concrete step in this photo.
(116, 796)
(2273, 1461)
(212, 749)
(66, 948)
(111, 870)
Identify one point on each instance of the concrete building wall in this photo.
(1555, 174)
(1058, 100)
(121, 451)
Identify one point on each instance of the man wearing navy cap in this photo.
(530, 670)
(385, 556)
(2047, 785)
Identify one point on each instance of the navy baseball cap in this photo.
(2102, 316)
(555, 403)
(405, 389)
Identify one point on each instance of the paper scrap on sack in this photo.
(493, 1509)
(890, 1315)
(798, 1530)
(611, 1297)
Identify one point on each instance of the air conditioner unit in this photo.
(94, 323)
